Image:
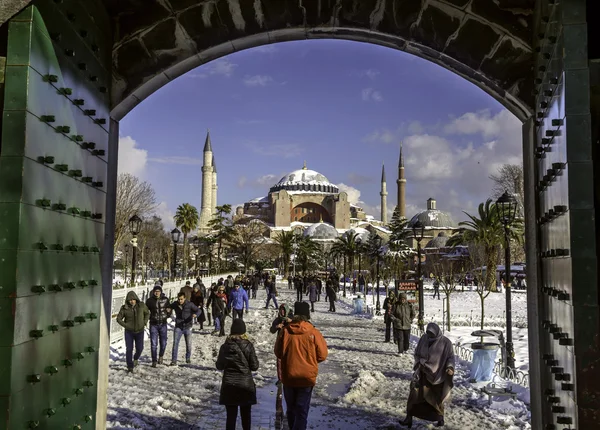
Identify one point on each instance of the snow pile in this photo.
(367, 385)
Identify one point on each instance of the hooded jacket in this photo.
(133, 318)
(160, 309)
(300, 347)
(287, 313)
(237, 358)
(402, 314)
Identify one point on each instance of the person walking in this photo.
(187, 290)
(402, 317)
(212, 293)
(160, 310)
(436, 289)
(237, 299)
(301, 347)
(388, 306)
(312, 295)
(198, 300)
(331, 296)
(299, 287)
(220, 310)
(133, 317)
(185, 312)
(432, 379)
(237, 359)
(271, 288)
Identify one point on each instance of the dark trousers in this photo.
(298, 295)
(388, 329)
(297, 400)
(158, 333)
(238, 313)
(436, 291)
(331, 305)
(222, 319)
(312, 306)
(232, 413)
(402, 337)
(130, 339)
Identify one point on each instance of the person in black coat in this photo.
(160, 311)
(331, 296)
(238, 360)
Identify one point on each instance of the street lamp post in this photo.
(358, 277)
(135, 225)
(507, 209)
(175, 235)
(126, 262)
(418, 233)
(196, 242)
(378, 305)
(146, 262)
(344, 275)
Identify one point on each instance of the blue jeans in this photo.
(130, 339)
(158, 332)
(187, 333)
(217, 320)
(297, 400)
(269, 297)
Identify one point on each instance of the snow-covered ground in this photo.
(362, 385)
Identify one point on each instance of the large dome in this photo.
(322, 231)
(433, 218)
(305, 180)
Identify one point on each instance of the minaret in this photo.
(383, 195)
(214, 187)
(401, 202)
(206, 210)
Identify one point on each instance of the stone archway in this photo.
(144, 44)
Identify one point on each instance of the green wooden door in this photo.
(53, 169)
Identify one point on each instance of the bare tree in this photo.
(133, 197)
(447, 272)
(477, 260)
(246, 241)
(509, 177)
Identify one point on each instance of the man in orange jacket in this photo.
(300, 347)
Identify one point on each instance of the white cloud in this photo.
(368, 73)
(132, 159)
(353, 193)
(269, 179)
(258, 80)
(220, 67)
(177, 160)
(242, 181)
(261, 182)
(452, 162)
(166, 215)
(266, 49)
(369, 94)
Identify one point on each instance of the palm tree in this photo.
(285, 242)
(307, 251)
(186, 219)
(348, 247)
(487, 231)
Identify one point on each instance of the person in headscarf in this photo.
(432, 378)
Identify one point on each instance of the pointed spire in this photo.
(401, 159)
(383, 172)
(214, 165)
(304, 167)
(207, 145)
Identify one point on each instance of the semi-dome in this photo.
(322, 230)
(438, 242)
(305, 180)
(433, 218)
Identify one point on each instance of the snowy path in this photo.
(362, 385)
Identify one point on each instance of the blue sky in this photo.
(342, 106)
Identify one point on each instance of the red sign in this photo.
(407, 285)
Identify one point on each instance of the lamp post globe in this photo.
(506, 205)
(418, 229)
(135, 225)
(378, 305)
(175, 236)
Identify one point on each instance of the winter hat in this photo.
(302, 308)
(157, 284)
(188, 283)
(238, 326)
(157, 287)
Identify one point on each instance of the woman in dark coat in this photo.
(198, 299)
(432, 380)
(237, 359)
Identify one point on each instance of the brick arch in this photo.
(155, 41)
(486, 42)
(310, 212)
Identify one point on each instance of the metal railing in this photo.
(170, 289)
(519, 377)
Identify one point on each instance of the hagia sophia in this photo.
(306, 201)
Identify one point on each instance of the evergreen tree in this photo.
(222, 228)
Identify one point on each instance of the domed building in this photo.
(300, 198)
(437, 226)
